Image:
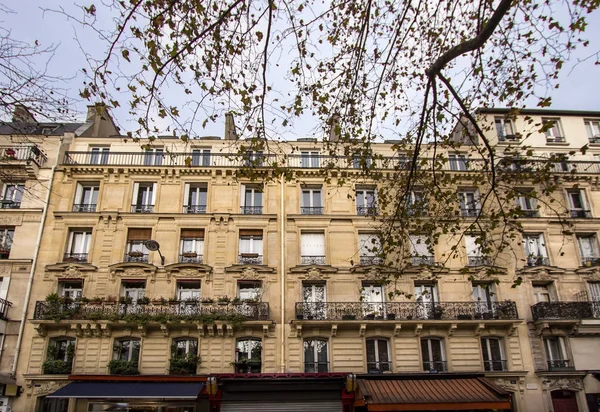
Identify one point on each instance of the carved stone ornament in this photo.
(374, 275)
(189, 271)
(590, 274)
(46, 387)
(563, 383)
(249, 272)
(542, 273)
(314, 274)
(70, 270)
(133, 270)
(505, 384)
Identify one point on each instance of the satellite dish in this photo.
(152, 245)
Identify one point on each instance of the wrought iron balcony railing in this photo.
(538, 261)
(564, 310)
(137, 257)
(248, 366)
(178, 309)
(26, 153)
(84, 207)
(529, 213)
(422, 260)
(367, 210)
(435, 366)
(251, 210)
(316, 367)
(317, 210)
(371, 260)
(196, 209)
(4, 305)
(495, 365)
(190, 258)
(75, 257)
(379, 367)
(478, 261)
(590, 261)
(10, 204)
(468, 212)
(505, 310)
(579, 213)
(560, 365)
(312, 260)
(250, 259)
(142, 208)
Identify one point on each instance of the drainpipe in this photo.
(13, 371)
(282, 220)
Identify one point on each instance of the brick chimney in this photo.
(230, 132)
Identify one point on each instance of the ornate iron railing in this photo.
(495, 365)
(504, 310)
(142, 208)
(251, 210)
(196, 209)
(84, 207)
(317, 210)
(75, 257)
(312, 260)
(379, 367)
(137, 257)
(581, 213)
(422, 260)
(316, 367)
(478, 261)
(190, 258)
(537, 261)
(564, 310)
(371, 260)
(560, 364)
(469, 212)
(250, 259)
(109, 310)
(435, 366)
(28, 153)
(10, 204)
(4, 305)
(367, 210)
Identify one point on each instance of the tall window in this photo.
(251, 247)
(12, 196)
(132, 290)
(6, 240)
(493, 354)
(427, 301)
(419, 251)
(188, 290)
(554, 130)
(195, 198)
(543, 292)
(191, 247)
(254, 159)
(378, 356)
(373, 300)
(309, 158)
(434, 358)
(248, 356)
(312, 248)
(153, 157)
(86, 197)
(484, 297)
(366, 201)
(556, 354)
(474, 253)
(504, 129)
(535, 249)
(527, 205)
(593, 130)
(469, 202)
(201, 157)
(316, 356)
(126, 354)
(59, 357)
(578, 203)
(72, 289)
(312, 203)
(99, 155)
(136, 250)
(79, 246)
(588, 249)
(144, 197)
(251, 201)
(416, 203)
(458, 162)
(249, 291)
(369, 248)
(184, 356)
(313, 301)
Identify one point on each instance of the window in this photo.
(543, 292)
(251, 200)
(78, 246)
(6, 240)
(366, 202)
(127, 350)
(195, 197)
(248, 356)
(191, 246)
(373, 300)
(249, 291)
(316, 357)
(535, 250)
(469, 203)
(593, 130)
(416, 203)
(184, 356)
(426, 297)
(12, 196)
(312, 247)
(360, 160)
(251, 247)
(504, 129)
(527, 205)
(434, 359)
(474, 254)
(188, 290)
(554, 132)
(144, 197)
(153, 157)
(311, 201)
(99, 155)
(378, 356)
(588, 249)
(86, 197)
(201, 157)
(309, 159)
(458, 162)
(136, 250)
(493, 354)
(578, 204)
(369, 248)
(254, 159)
(313, 301)
(132, 290)
(59, 357)
(72, 289)
(484, 298)
(419, 251)
(556, 354)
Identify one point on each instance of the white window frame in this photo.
(592, 126)
(561, 347)
(490, 356)
(430, 351)
(310, 158)
(255, 244)
(593, 246)
(201, 157)
(130, 350)
(99, 155)
(66, 287)
(314, 192)
(534, 242)
(378, 361)
(580, 193)
(188, 342)
(7, 235)
(191, 245)
(526, 203)
(249, 290)
(554, 133)
(505, 129)
(363, 193)
(148, 199)
(94, 189)
(458, 162)
(253, 190)
(189, 293)
(84, 247)
(471, 207)
(153, 157)
(13, 192)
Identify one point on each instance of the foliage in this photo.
(122, 367)
(56, 367)
(184, 365)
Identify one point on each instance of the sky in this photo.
(579, 90)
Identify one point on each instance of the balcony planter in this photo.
(300, 317)
(121, 367)
(348, 317)
(485, 316)
(189, 254)
(391, 316)
(125, 300)
(370, 316)
(464, 317)
(56, 367)
(135, 254)
(143, 301)
(378, 317)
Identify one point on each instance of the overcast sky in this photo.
(580, 85)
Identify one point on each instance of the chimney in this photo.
(22, 114)
(230, 132)
(334, 128)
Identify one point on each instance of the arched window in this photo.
(126, 353)
(248, 356)
(184, 357)
(59, 357)
(378, 356)
(434, 358)
(316, 355)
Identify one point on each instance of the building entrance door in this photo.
(564, 401)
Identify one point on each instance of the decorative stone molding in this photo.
(505, 383)
(70, 270)
(552, 384)
(542, 273)
(189, 271)
(313, 272)
(590, 274)
(250, 272)
(43, 387)
(14, 220)
(132, 270)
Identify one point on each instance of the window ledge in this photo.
(558, 144)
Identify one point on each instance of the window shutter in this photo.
(4, 287)
(192, 233)
(242, 195)
(78, 193)
(186, 195)
(139, 234)
(136, 189)
(153, 202)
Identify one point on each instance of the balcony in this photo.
(142, 208)
(422, 260)
(251, 210)
(75, 257)
(169, 311)
(250, 259)
(506, 310)
(529, 213)
(557, 365)
(195, 209)
(565, 310)
(84, 207)
(367, 211)
(435, 366)
(190, 258)
(538, 261)
(478, 261)
(4, 305)
(9, 204)
(57, 367)
(469, 212)
(312, 260)
(370, 260)
(579, 213)
(305, 210)
(379, 367)
(123, 367)
(495, 365)
(316, 367)
(590, 261)
(136, 257)
(22, 153)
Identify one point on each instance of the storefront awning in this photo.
(439, 394)
(130, 390)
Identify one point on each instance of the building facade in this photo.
(164, 266)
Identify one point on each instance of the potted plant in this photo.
(223, 300)
(464, 316)
(348, 316)
(143, 300)
(207, 300)
(125, 300)
(236, 300)
(438, 312)
(369, 316)
(189, 254)
(96, 300)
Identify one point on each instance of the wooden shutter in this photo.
(251, 232)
